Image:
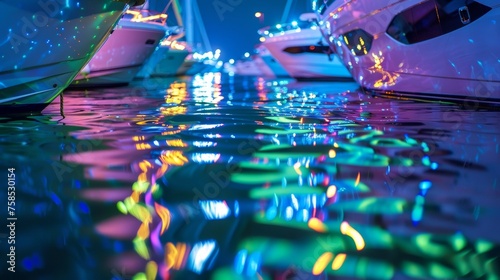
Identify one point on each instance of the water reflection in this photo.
(222, 177)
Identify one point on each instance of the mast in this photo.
(201, 27)
(188, 10)
(286, 12)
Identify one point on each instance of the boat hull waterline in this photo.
(164, 62)
(46, 45)
(122, 56)
(272, 64)
(304, 60)
(456, 58)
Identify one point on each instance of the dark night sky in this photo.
(234, 30)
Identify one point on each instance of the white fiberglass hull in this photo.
(247, 68)
(274, 66)
(201, 67)
(262, 66)
(45, 45)
(191, 67)
(302, 62)
(163, 62)
(450, 58)
(123, 55)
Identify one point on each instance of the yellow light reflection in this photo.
(173, 158)
(164, 215)
(175, 45)
(388, 79)
(135, 196)
(357, 180)
(176, 143)
(346, 229)
(138, 138)
(296, 167)
(173, 132)
(142, 178)
(338, 261)
(142, 185)
(332, 153)
(144, 165)
(331, 191)
(151, 270)
(317, 225)
(176, 93)
(142, 146)
(161, 171)
(321, 263)
(139, 18)
(174, 255)
(141, 213)
(129, 203)
(173, 111)
(170, 255)
(143, 232)
(181, 248)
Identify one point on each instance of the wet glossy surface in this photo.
(240, 178)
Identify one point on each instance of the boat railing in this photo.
(146, 16)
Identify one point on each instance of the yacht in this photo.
(175, 57)
(248, 67)
(198, 63)
(191, 66)
(262, 66)
(301, 50)
(270, 62)
(166, 60)
(45, 45)
(431, 48)
(134, 40)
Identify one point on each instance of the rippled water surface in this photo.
(219, 177)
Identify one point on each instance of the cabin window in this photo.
(434, 18)
(307, 49)
(358, 41)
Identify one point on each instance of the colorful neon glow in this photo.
(138, 17)
(317, 225)
(164, 215)
(346, 229)
(331, 191)
(338, 261)
(321, 263)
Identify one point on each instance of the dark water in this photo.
(222, 177)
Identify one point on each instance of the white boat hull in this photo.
(191, 67)
(456, 64)
(123, 55)
(247, 68)
(46, 45)
(262, 66)
(305, 65)
(274, 66)
(164, 62)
